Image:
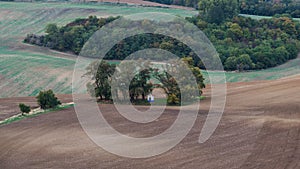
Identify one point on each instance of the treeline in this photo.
(188, 3)
(251, 7)
(71, 37)
(270, 7)
(242, 43)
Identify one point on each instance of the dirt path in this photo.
(259, 129)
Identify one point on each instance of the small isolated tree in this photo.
(24, 108)
(47, 99)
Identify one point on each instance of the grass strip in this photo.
(19, 117)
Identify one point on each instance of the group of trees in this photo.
(142, 83)
(217, 11)
(251, 7)
(270, 7)
(45, 99)
(71, 37)
(188, 3)
(242, 43)
(245, 44)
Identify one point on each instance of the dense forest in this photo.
(270, 7)
(242, 43)
(251, 7)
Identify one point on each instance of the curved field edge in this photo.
(258, 17)
(288, 69)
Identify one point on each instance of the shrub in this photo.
(24, 108)
(47, 99)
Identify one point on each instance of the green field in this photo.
(24, 69)
(288, 69)
(25, 73)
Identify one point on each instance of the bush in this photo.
(47, 99)
(24, 108)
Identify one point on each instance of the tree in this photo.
(140, 85)
(170, 85)
(235, 32)
(286, 2)
(217, 11)
(24, 108)
(47, 99)
(53, 36)
(52, 29)
(230, 63)
(244, 62)
(101, 75)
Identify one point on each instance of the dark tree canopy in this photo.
(141, 84)
(267, 42)
(218, 11)
(24, 108)
(101, 75)
(47, 99)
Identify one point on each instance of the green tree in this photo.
(47, 99)
(235, 32)
(24, 108)
(140, 85)
(170, 85)
(217, 11)
(53, 36)
(230, 63)
(52, 29)
(101, 75)
(244, 62)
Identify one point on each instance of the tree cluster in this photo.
(45, 99)
(245, 44)
(251, 7)
(218, 11)
(270, 8)
(71, 37)
(242, 43)
(188, 3)
(142, 83)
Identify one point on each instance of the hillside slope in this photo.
(259, 129)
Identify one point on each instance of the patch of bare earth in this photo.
(259, 129)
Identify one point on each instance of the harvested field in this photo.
(259, 129)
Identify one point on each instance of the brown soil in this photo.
(259, 129)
